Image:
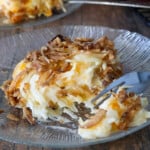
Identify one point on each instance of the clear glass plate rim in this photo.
(83, 144)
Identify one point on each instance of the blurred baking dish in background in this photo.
(20, 10)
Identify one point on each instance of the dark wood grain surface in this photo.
(115, 17)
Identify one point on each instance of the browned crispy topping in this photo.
(122, 96)
(94, 120)
(52, 105)
(15, 82)
(128, 115)
(80, 40)
(51, 58)
(27, 114)
(132, 103)
(12, 117)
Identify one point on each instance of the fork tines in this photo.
(105, 94)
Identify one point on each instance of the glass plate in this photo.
(42, 20)
(134, 53)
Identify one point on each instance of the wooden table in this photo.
(115, 17)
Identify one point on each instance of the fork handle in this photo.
(144, 76)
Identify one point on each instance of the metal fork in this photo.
(129, 3)
(136, 82)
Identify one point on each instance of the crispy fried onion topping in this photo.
(94, 120)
